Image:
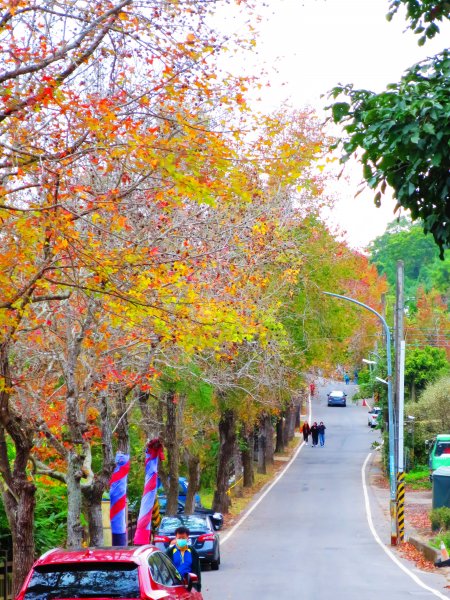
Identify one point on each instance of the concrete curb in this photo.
(431, 554)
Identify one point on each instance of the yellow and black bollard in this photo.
(400, 507)
(156, 515)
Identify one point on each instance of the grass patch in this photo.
(418, 480)
(206, 497)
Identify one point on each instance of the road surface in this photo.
(309, 536)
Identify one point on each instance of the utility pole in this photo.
(399, 400)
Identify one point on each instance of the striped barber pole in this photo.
(153, 452)
(118, 499)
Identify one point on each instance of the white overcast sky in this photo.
(309, 46)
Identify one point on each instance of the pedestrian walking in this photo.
(306, 430)
(314, 434)
(312, 388)
(346, 378)
(321, 431)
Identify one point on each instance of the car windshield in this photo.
(337, 394)
(84, 580)
(192, 522)
(442, 448)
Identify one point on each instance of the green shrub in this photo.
(440, 518)
(442, 537)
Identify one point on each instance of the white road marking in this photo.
(229, 533)
(392, 556)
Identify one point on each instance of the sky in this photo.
(309, 46)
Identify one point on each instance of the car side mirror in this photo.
(190, 579)
(217, 521)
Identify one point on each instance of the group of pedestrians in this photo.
(317, 433)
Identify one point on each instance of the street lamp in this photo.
(388, 382)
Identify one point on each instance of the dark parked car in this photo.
(202, 535)
(182, 491)
(216, 517)
(119, 573)
(337, 398)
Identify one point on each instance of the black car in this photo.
(216, 517)
(202, 535)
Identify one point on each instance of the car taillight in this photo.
(206, 537)
(161, 538)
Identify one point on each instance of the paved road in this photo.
(309, 536)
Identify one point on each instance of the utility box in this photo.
(441, 487)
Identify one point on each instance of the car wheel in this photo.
(215, 564)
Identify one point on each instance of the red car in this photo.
(126, 573)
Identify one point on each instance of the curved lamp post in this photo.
(388, 382)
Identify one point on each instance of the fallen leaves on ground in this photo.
(418, 517)
(410, 552)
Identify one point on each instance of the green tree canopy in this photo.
(404, 240)
(402, 138)
(422, 15)
(424, 365)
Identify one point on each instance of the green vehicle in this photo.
(440, 452)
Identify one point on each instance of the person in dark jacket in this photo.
(315, 434)
(306, 430)
(321, 428)
(184, 557)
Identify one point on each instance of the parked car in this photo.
(440, 452)
(202, 536)
(182, 491)
(373, 415)
(216, 517)
(143, 572)
(337, 398)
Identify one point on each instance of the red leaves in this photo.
(410, 552)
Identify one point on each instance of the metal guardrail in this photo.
(236, 483)
(5, 578)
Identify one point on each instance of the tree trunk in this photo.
(279, 447)
(93, 493)
(290, 422)
(74, 500)
(247, 458)
(18, 493)
(122, 427)
(237, 460)
(298, 409)
(194, 482)
(262, 450)
(92, 502)
(413, 391)
(173, 453)
(269, 451)
(227, 435)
